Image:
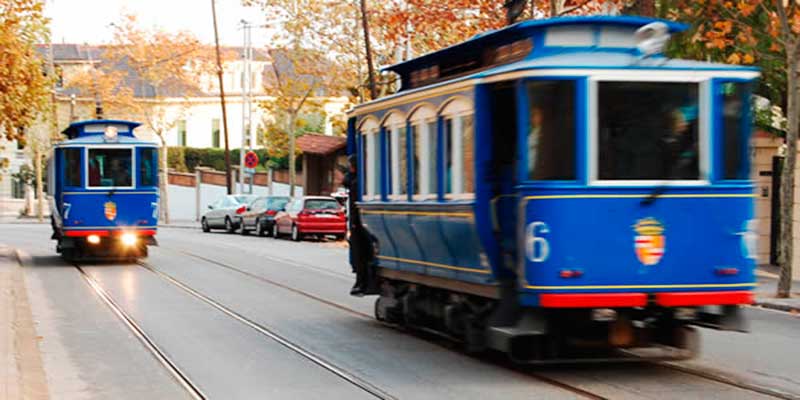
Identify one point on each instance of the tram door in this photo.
(503, 166)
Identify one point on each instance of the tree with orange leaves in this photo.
(765, 33)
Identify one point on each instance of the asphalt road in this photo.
(251, 317)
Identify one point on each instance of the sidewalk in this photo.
(183, 224)
(767, 276)
(22, 374)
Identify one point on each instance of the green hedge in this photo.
(186, 159)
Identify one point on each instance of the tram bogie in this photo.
(104, 191)
(557, 190)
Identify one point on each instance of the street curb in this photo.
(777, 307)
(179, 226)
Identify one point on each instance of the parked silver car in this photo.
(222, 214)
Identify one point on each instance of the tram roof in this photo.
(94, 127)
(91, 132)
(525, 29)
(566, 42)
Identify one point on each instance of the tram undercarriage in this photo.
(541, 335)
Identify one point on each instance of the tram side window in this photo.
(648, 131)
(397, 160)
(459, 176)
(423, 134)
(371, 159)
(735, 129)
(72, 167)
(110, 167)
(147, 167)
(551, 130)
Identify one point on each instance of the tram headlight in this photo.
(93, 239)
(128, 239)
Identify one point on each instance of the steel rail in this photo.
(148, 343)
(315, 358)
(340, 307)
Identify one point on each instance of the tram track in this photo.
(192, 389)
(528, 374)
(712, 376)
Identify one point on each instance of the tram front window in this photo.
(648, 131)
(110, 168)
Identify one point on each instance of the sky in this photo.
(87, 21)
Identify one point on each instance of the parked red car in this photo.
(311, 215)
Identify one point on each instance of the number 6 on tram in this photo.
(559, 189)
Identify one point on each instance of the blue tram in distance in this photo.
(103, 183)
(561, 190)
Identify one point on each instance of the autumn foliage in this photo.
(23, 84)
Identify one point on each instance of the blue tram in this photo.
(104, 191)
(559, 189)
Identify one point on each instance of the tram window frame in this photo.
(424, 147)
(132, 167)
(703, 96)
(454, 183)
(369, 159)
(744, 131)
(396, 160)
(524, 92)
(72, 176)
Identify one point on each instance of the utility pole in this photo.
(373, 91)
(222, 100)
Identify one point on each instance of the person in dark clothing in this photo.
(361, 249)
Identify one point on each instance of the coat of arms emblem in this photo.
(650, 241)
(110, 209)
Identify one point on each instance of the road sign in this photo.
(251, 159)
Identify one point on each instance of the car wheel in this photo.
(206, 228)
(243, 231)
(296, 234)
(260, 228)
(229, 226)
(275, 232)
(340, 237)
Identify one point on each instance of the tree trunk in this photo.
(290, 132)
(554, 8)
(373, 90)
(164, 180)
(787, 183)
(37, 166)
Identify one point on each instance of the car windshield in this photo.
(244, 199)
(276, 203)
(322, 204)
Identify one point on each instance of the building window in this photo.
(148, 167)
(457, 142)
(72, 167)
(735, 128)
(551, 130)
(423, 139)
(182, 132)
(110, 168)
(215, 132)
(648, 131)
